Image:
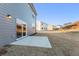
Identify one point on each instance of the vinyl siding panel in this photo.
(8, 28)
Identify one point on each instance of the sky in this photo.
(57, 13)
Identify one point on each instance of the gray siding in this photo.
(8, 28)
(7, 31)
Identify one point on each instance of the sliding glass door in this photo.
(21, 28)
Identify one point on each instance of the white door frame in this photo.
(19, 21)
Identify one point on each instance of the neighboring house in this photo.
(44, 26)
(41, 26)
(50, 27)
(16, 20)
(74, 25)
(38, 25)
(57, 27)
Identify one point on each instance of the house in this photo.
(50, 27)
(57, 27)
(16, 20)
(41, 26)
(73, 26)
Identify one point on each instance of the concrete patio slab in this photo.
(36, 41)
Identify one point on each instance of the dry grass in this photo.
(63, 44)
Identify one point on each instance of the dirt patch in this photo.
(2, 51)
(63, 44)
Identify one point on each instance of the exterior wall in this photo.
(7, 30)
(41, 26)
(44, 26)
(38, 25)
(50, 27)
(21, 11)
(76, 25)
(71, 27)
(34, 24)
(7, 27)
